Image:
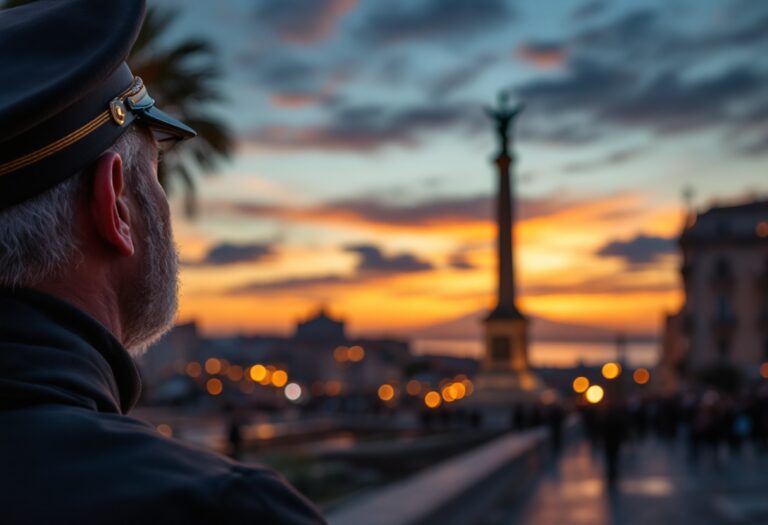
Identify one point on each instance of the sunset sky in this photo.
(362, 178)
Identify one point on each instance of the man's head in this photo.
(82, 215)
(106, 230)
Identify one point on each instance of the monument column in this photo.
(505, 234)
(506, 328)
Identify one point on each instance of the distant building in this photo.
(319, 356)
(321, 327)
(724, 271)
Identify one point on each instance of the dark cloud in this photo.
(285, 73)
(645, 36)
(639, 70)
(586, 85)
(459, 261)
(294, 284)
(555, 133)
(291, 81)
(368, 128)
(611, 159)
(637, 34)
(429, 213)
(671, 104)
(225, 254)
(372, 264)
(612, 95)
(451, 81)
(373, 261)
(303, 21)
(446, 210)
(543, 55)
(641, 250)
(430, 20)
(589, 9)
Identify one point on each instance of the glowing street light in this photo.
(432, 399)
(594, 394)
(258, 373)
(341, 354)
(279, 378)
(194, 369)
(413, 387)
(386, 392)
(641, 376)
(214, 386)
(356, 353)
(611, 370)
(292, 392)
(213, 366)
(580, 384)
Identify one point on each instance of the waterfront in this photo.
(549, 354)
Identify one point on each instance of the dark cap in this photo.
(66, 93)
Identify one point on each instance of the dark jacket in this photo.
(69, 454)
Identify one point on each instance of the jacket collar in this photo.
(54, 353)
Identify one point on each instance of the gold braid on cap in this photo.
(116, 109)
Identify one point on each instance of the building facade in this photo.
(724, 271)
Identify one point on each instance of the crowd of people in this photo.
(714, 426)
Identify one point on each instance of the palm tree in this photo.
(182, 79)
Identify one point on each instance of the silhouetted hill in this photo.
(469, 327)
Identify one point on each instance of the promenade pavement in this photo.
(657, 485)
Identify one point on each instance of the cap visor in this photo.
(165, 127)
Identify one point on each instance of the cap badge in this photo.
(117, 110)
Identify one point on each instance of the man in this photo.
(87, 278)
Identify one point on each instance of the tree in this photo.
(182, 78)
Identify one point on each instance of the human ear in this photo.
(109, 204)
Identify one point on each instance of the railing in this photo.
(455, 491)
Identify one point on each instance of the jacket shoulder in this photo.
(243, 493)
(257, 490)
(152, 478)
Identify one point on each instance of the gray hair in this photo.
(38, 238)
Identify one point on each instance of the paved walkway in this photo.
(657, 486)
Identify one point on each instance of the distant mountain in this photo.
(469, 327)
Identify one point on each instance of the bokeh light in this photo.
(458, 390)
(279, 378)
(292, 392)
(580, 384)
(214, 386)
(235, 373)
(341, 354)
(641, 376)
(258, 372)
(333, 388)
(764, 370)
(386, 392)
(594, 394)
(212, 366)
(611, 370)
(432, 399)
(468, 386)
(356, 354)
(413, 387)
(447, 394)
(194, 369)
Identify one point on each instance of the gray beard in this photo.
(150, 304)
